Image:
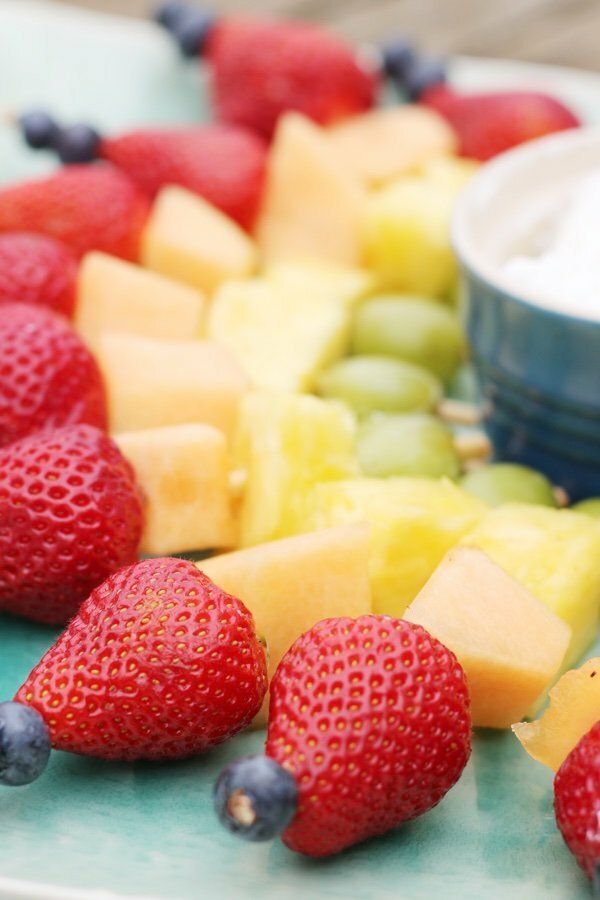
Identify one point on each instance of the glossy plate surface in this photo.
(90, 830)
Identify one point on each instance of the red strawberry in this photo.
(224, 164)
(488, 124)
(70, 515)
(87, 207)
(369, 726)
(159, 663)
(38, 270)
(260, 68)
(49, 378)
(577, 801)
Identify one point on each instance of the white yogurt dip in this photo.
(562, 270)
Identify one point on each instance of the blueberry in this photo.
(24, 744)
(38, 128)
(76, 143)
(397, 56)
(421, 75)
(169, 14)
(255, 798)
(191, 31)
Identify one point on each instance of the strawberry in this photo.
(159, 663)
(38, 270)
(49, 378)
(70, 515)
(87, 207)
(369, 726)
(577, 801)
(260, 68)
(488, 124)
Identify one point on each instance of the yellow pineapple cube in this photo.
(281, 336)
(285, 443)
(313, 206)
(345, 284)
(574, 708)
(189, 240)
(414, 522)
(290, 584)
(385, 143)
(183, 471)
(154, 382)
(556, 555)
(117, 296)
(509, 644)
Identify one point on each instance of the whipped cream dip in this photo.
(560, 269)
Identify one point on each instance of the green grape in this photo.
(380, 384)
(406, 444)
(509, 483)
(416, 329)
(591, 507)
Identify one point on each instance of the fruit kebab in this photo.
(159, 663)
(261, 68)
(369, 727)
(224, 164)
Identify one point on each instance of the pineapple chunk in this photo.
(114, 295)
(574, 708)
(328, 281)
(285, 444)
(385, 143)
(406, 233)
(509, 644)
(188, 239)
(414, 522)
(313, 206)
(556, 555)
(153, 382)
(291, 584)
(282, 337)
(183, 471)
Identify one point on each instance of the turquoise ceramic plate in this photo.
(90, 830)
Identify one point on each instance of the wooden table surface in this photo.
(555, 31)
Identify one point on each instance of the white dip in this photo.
(565, 272)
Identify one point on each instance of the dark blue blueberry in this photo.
(76, 143)
(38, 128)
(24, 744)
(397, 56)
(423, 74)
(168, 14)
(191, 31)
(255, 798)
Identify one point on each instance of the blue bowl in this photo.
(538, 369)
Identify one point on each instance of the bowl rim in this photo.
(495, 170)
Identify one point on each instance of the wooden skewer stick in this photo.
(473, 446)
(458, 412)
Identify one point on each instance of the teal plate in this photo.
(90, 830)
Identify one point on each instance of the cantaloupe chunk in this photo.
(153, 382)
(414, 522)
(117, 296)
(189, 240)
(574, 708)
(286, 443)
(384, 143)
(509, 644)
(313, 205)
(183, 471)
(283, 337)
(556, 554)
(290, 584)
(345, 284)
